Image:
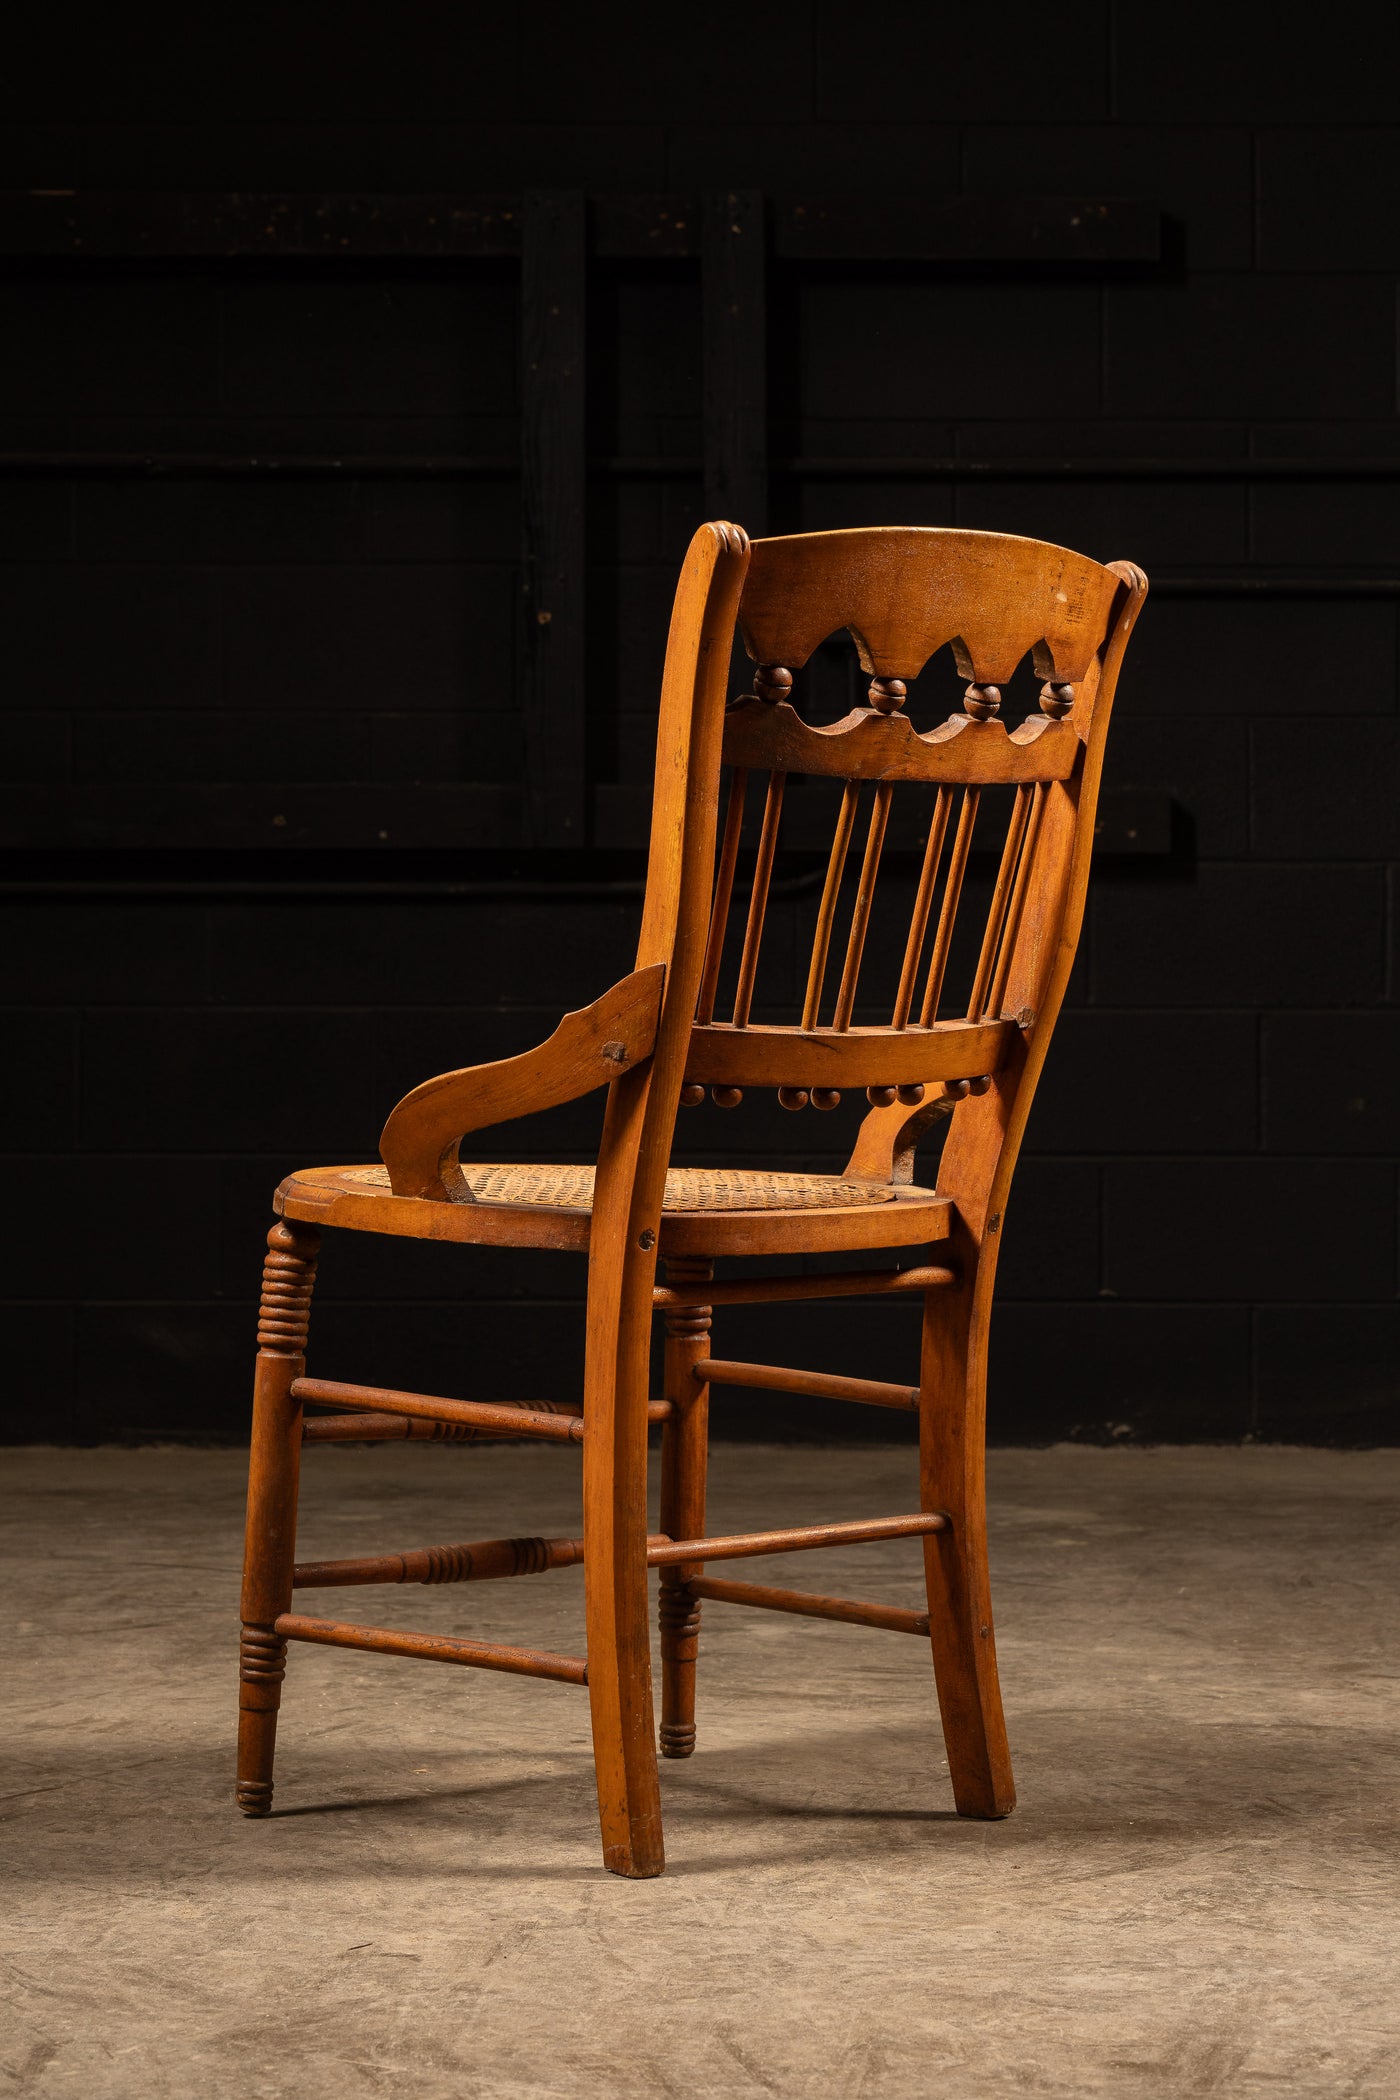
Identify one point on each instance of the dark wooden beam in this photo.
(554, 473)
(198, 225)
(968, 229)
(191, 815)
(734, 274)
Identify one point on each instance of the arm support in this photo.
(586, 1050)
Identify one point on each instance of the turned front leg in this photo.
(289, 1275)
(684, 1455)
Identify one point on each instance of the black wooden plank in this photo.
(553, 469)
(203, 225)
(734, 288)
(645, 226)
(169, 224)
(456, 814)
(968, 229)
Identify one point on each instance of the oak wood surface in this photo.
(802, 1538)
(588, 1049)
(891, 1618)
(433, 1647)
(902, 593)
(822, 1385)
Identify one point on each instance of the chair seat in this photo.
(705, 1210)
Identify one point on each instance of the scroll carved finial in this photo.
(981, 702)
(1056, 700)
(886, 695)
(772, 682)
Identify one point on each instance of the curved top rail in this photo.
(906, 591)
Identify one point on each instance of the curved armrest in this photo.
(586, 1050)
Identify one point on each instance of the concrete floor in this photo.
(1198, 1894)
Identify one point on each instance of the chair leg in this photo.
(684, 1457)
(952, 1438)
(289, 1274)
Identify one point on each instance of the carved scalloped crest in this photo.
(865, 745)
(906, 591)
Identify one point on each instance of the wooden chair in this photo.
(654, 1041)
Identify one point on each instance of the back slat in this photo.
(948, 911)
(758, 902)
(724, 891)
(1001, 898)
(923, 904)
(865, 897)
(835, 868)
(1017, 904)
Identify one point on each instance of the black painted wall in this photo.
(1202, 1243)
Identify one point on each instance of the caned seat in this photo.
(716, 1211)
(955, 1037)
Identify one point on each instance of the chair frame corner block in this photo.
(654, 1042)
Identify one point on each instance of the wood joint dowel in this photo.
(889, 1618)
(804, 1539)
(758, 899)
(948, 910)
(433, 1647)
(826, 912)
(774, 1290)
(557, 1420)
(484, 1560)
(724, 891)
(865, 898)
(820, 1385)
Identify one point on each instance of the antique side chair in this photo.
(972, 1054)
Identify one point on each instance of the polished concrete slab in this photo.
(1198, 1894)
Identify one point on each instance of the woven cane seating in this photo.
(687, 1188)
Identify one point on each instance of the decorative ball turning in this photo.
(1056, 700)
(886, 694)
(826, 1097)
(726, 1096)
(880, 1096)
(911, 1096)
(692, 1095)
(982, 702)
(793, 1097)
(772, 682)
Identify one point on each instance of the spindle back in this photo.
(904, 593)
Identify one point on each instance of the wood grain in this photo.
(588, 1049)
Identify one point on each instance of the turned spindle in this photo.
(886, 694)
(684, 1449)
(1056, 700)
(772, 683)
(284, 1312)
(981, 702)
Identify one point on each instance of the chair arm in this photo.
(586, 1050)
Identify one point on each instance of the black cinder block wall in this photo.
(231, 938)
